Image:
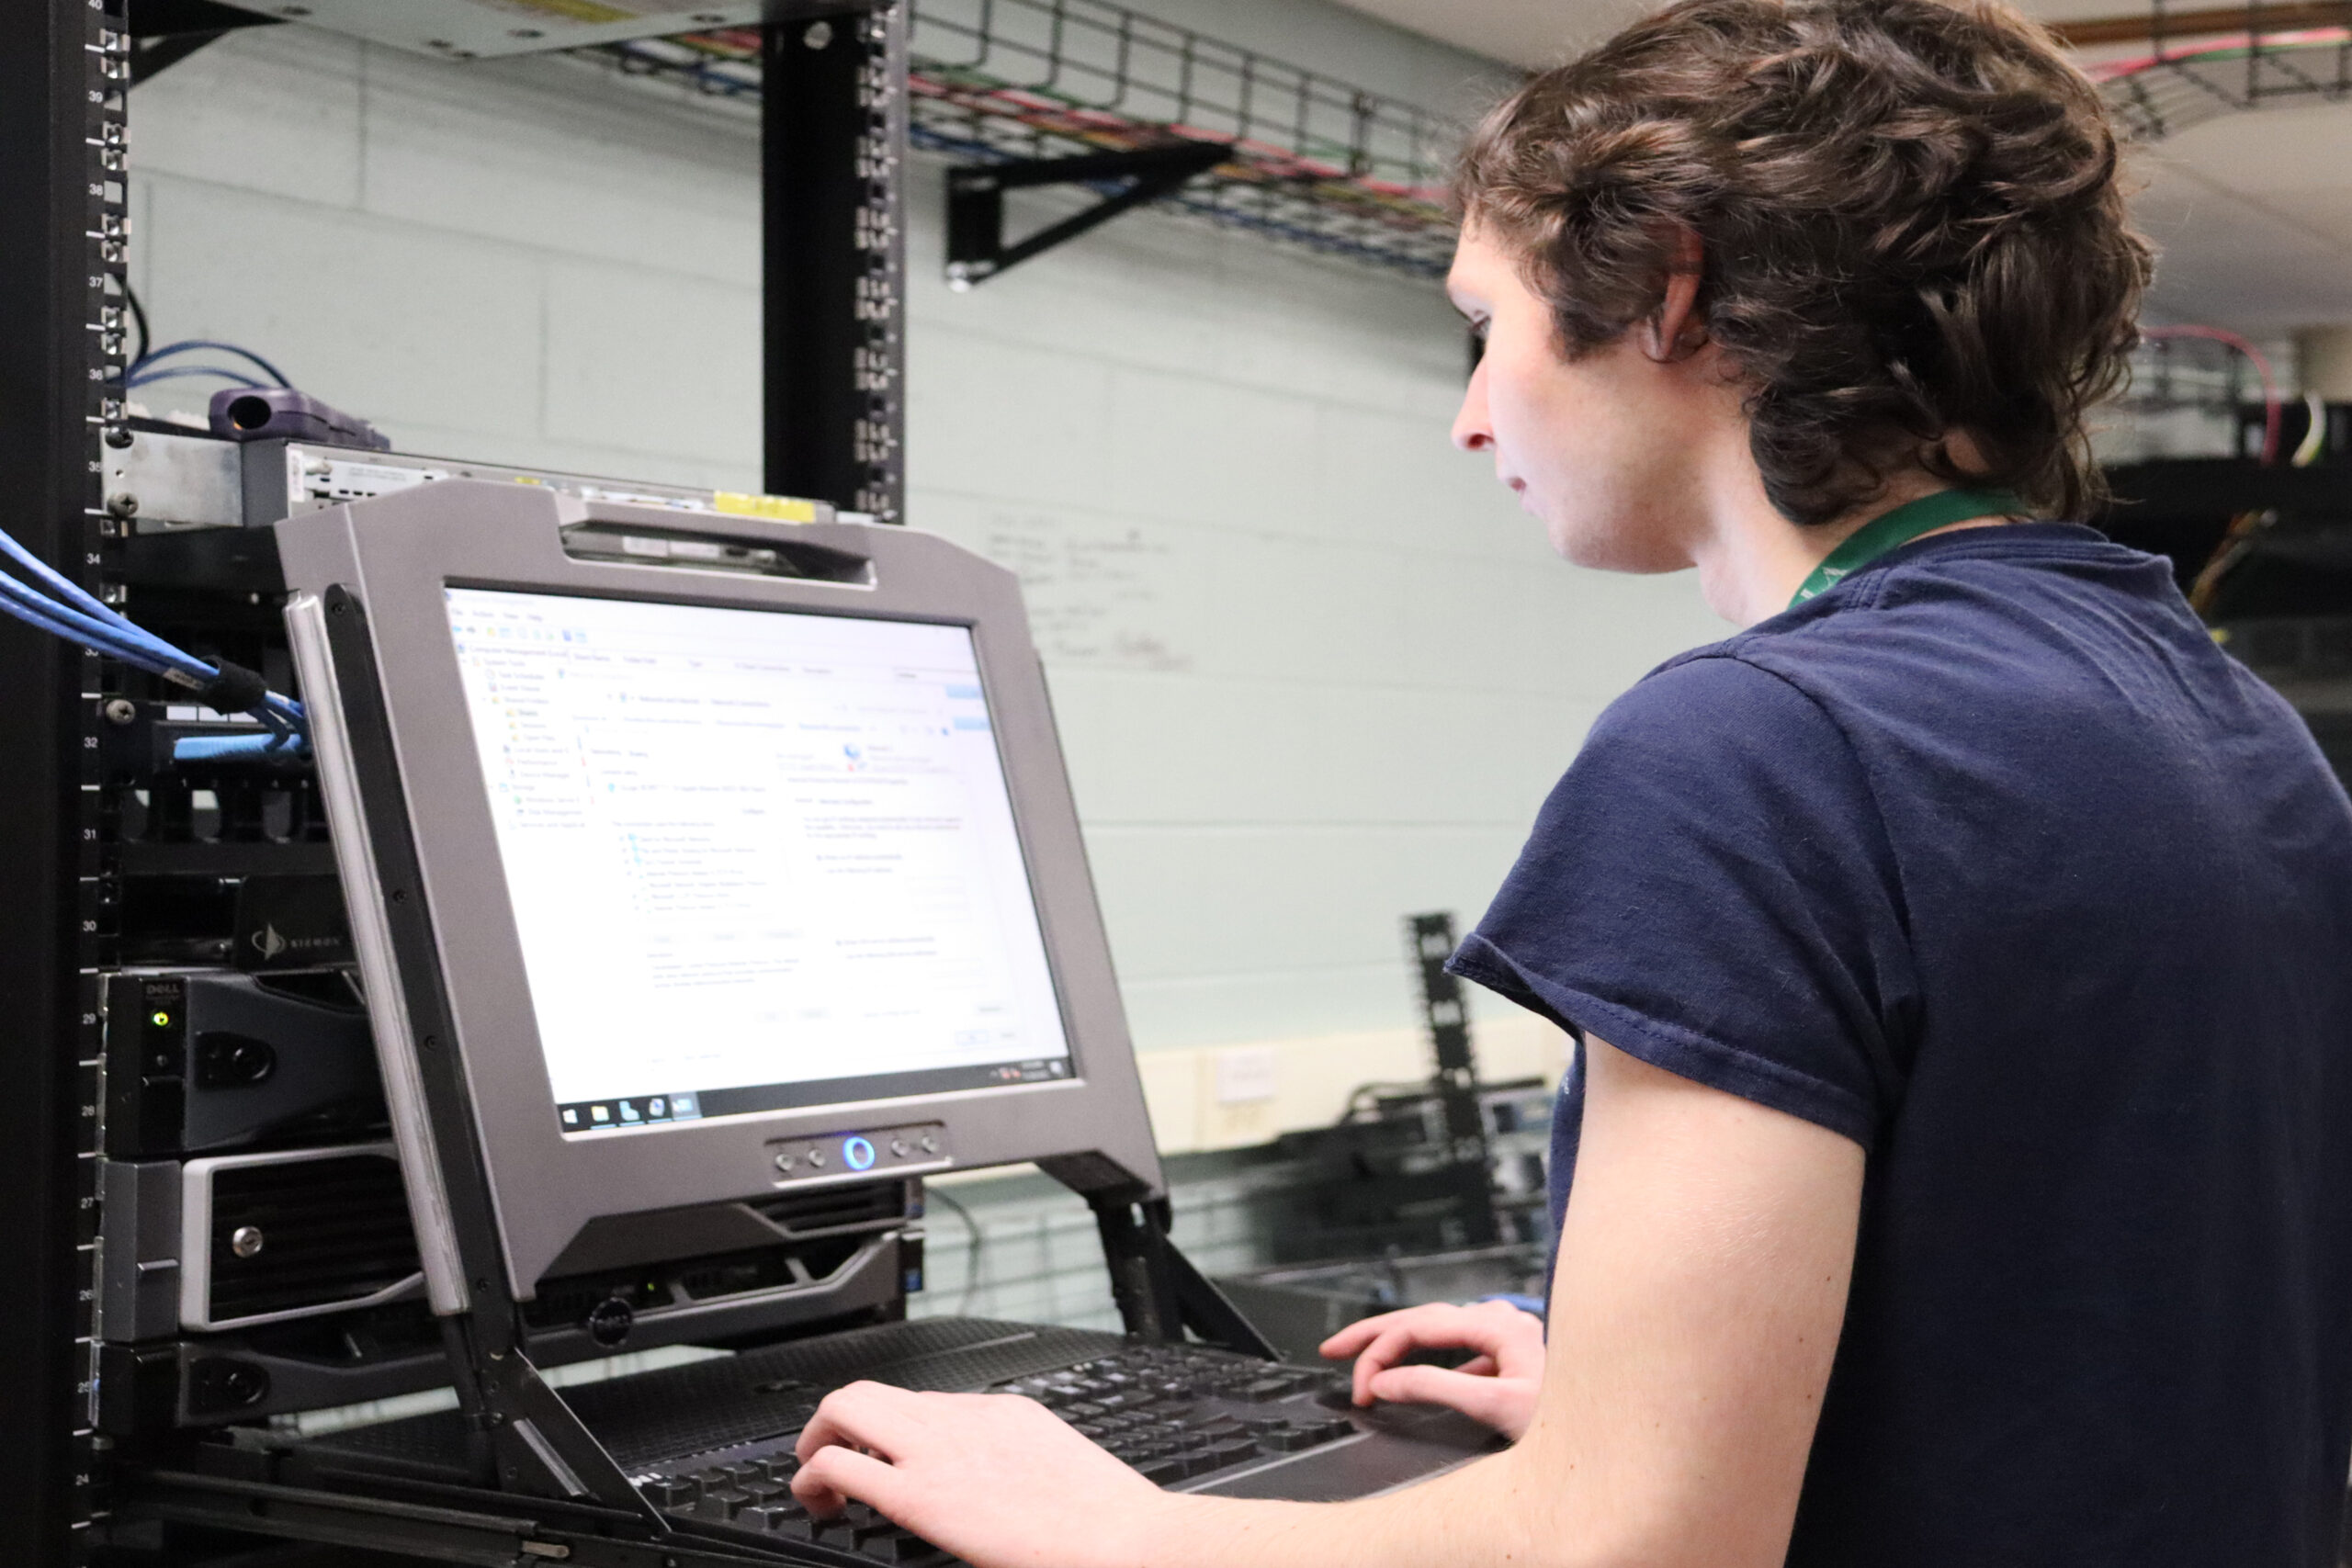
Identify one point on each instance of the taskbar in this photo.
(585, 1117)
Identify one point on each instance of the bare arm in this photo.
(1702, 1282)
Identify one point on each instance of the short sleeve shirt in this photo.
(1989, 860)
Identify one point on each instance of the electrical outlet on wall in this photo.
(1248, 1074)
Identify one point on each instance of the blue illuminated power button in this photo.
(858, 1153)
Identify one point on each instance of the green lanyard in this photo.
(1892, 530)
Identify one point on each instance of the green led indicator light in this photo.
(163, 1020)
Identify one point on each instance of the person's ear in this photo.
(1674, 331)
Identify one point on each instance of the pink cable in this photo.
(2229, 43)
(2272, 403)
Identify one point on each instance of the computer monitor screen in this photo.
(758, 859)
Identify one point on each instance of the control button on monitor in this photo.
(858, 1152)
(898, 1148)
(817, 1159)
(785, 1162)
(930, 1144)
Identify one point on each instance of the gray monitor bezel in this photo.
(395, 554)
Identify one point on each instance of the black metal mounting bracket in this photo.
(165, 32)
(524, 1438)
(1159, 1294)
(976, 246)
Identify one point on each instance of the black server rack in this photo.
(171, 1020)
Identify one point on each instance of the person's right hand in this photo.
(1496, 1386)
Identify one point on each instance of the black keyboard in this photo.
(1178, 1414)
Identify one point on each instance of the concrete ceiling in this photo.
(2254, 211)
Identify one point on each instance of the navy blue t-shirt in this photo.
(1990, 861)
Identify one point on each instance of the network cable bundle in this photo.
(54, 604)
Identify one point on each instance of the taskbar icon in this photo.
(636, 1111)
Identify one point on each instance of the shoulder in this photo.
(1706, 750)
(1714, 702)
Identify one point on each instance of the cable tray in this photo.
(1314, 161)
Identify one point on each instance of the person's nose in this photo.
(1472, 431)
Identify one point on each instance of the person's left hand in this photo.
(999, 1480)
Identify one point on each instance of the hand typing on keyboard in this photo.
(1497, 1387)
(994, 1478)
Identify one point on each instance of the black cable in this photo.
(235, 689)
(138, 319)
(972, 1255)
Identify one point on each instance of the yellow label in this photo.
(587, 11)
(782, 508)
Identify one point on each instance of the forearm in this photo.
(1703, 1265)
(1703, 1274)
(1483, 1513)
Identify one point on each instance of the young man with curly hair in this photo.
(1958, 1170)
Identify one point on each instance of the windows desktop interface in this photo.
(758, 859)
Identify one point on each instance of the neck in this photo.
(1751, 559)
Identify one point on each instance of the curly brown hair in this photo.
(1910, 217)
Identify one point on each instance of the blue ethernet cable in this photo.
(191, 372)
(83, 610)
(190, 346)
(139, 648)
(231, 748)
(69, 612)
(59, 620)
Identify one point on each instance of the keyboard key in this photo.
(666, 1492)
(1162, 1470)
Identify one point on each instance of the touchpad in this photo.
(1398, 1444)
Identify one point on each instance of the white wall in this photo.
(1313, 669)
